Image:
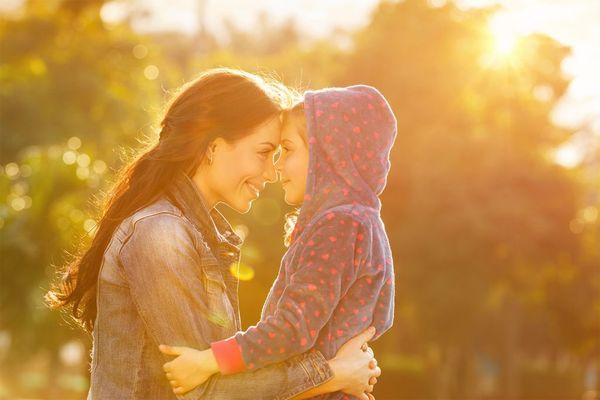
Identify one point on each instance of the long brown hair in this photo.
(221, 102)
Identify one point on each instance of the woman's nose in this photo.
(270, 174)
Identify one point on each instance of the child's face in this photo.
(292, 165)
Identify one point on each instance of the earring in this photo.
(210, 153)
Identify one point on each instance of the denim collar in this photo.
(216, 230)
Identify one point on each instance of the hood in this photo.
(350, 133)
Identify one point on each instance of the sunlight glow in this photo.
(504, 34)
(568, 156)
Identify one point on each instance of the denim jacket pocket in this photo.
(220, 310)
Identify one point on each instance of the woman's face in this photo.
(292, 165)
(240, 170)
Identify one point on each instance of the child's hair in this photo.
(293, 115)
(290, 222)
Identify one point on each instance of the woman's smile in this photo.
(255, 191)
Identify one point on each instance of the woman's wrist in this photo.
(337, 383)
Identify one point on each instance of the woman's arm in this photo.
(164, 275)
(354, 369)
(358, 382)
(280, 381)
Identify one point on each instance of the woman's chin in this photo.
(242, 205)
(244, 208)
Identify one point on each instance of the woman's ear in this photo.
(217, 145)
(212, 148)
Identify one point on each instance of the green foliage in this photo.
(63, 75)
(495, 245)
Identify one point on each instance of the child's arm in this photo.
(353, 370)
(327, 267)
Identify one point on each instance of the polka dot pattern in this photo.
(337, 277)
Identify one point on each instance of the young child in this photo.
(337, 277)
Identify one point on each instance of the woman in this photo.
(157, 268)
(337, 275)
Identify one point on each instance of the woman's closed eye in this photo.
(265, 153)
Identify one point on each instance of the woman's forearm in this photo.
(281, 380)
(327, 387)
(332, 385)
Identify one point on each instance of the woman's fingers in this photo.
(364, 347)
(369, 389)
(363, 337)
(371, 397)
(363, 396)
(376, 372)
(373, 380)
(373, 363)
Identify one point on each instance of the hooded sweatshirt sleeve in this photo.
(328, 264)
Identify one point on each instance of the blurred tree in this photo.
(54, 87)
(481, 209)
(495, 245)
(74, 89)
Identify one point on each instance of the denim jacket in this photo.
(165, 279)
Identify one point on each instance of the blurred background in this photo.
(492, 206)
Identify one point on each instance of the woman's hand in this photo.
(355, 367)
(191, 368)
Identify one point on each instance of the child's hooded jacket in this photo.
(337, 277)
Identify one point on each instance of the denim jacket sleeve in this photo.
(163, 266)
(279, 381)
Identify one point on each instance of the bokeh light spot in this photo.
(243, 272)
(151, 72)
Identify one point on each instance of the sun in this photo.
(504, 36)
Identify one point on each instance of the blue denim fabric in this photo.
(165, 280)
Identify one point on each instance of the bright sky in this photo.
(575, 23)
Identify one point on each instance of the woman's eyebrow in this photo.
(270, 145)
